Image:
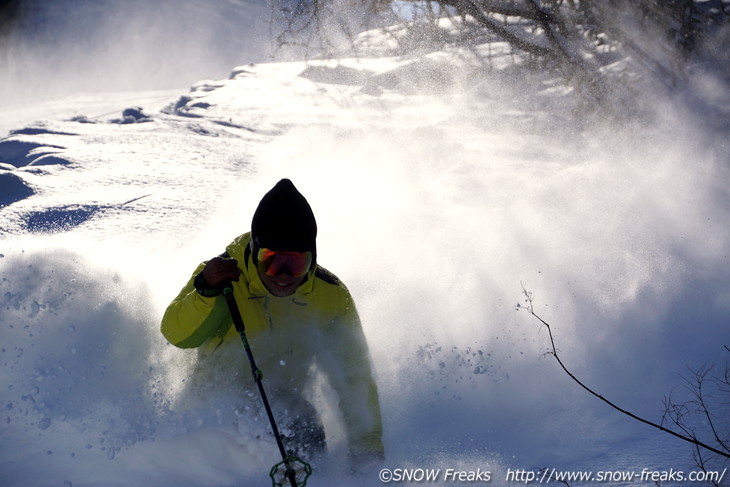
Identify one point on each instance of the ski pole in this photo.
(289, 472)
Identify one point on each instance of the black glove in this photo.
(215, 274)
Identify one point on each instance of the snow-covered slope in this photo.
(435, 205)
(67, 53)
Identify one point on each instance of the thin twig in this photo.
(554, 353)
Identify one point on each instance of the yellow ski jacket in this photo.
(318, 326)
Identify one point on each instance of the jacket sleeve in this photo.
(345, 361)
(191, 319)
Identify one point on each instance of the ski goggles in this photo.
(273, 262)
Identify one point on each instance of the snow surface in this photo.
(436, 202)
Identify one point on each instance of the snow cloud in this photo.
(437, 214)
(60, 48)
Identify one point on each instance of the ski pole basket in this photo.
(291, 468)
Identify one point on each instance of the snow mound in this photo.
(342, 75)
(19, 152)
(12, 189)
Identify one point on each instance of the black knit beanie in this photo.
(284, 221)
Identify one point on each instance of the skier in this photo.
(300, 319)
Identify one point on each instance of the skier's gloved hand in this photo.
(217, 271)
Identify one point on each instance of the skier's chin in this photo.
(281, 287)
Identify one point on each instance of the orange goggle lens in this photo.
(274, 262)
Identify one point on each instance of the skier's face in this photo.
(280, 285)
(282, 271)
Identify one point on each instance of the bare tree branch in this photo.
(578, 40)
(688, 436)
(679, 413)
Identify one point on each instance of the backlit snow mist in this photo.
(69, 49)
(437, 208)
